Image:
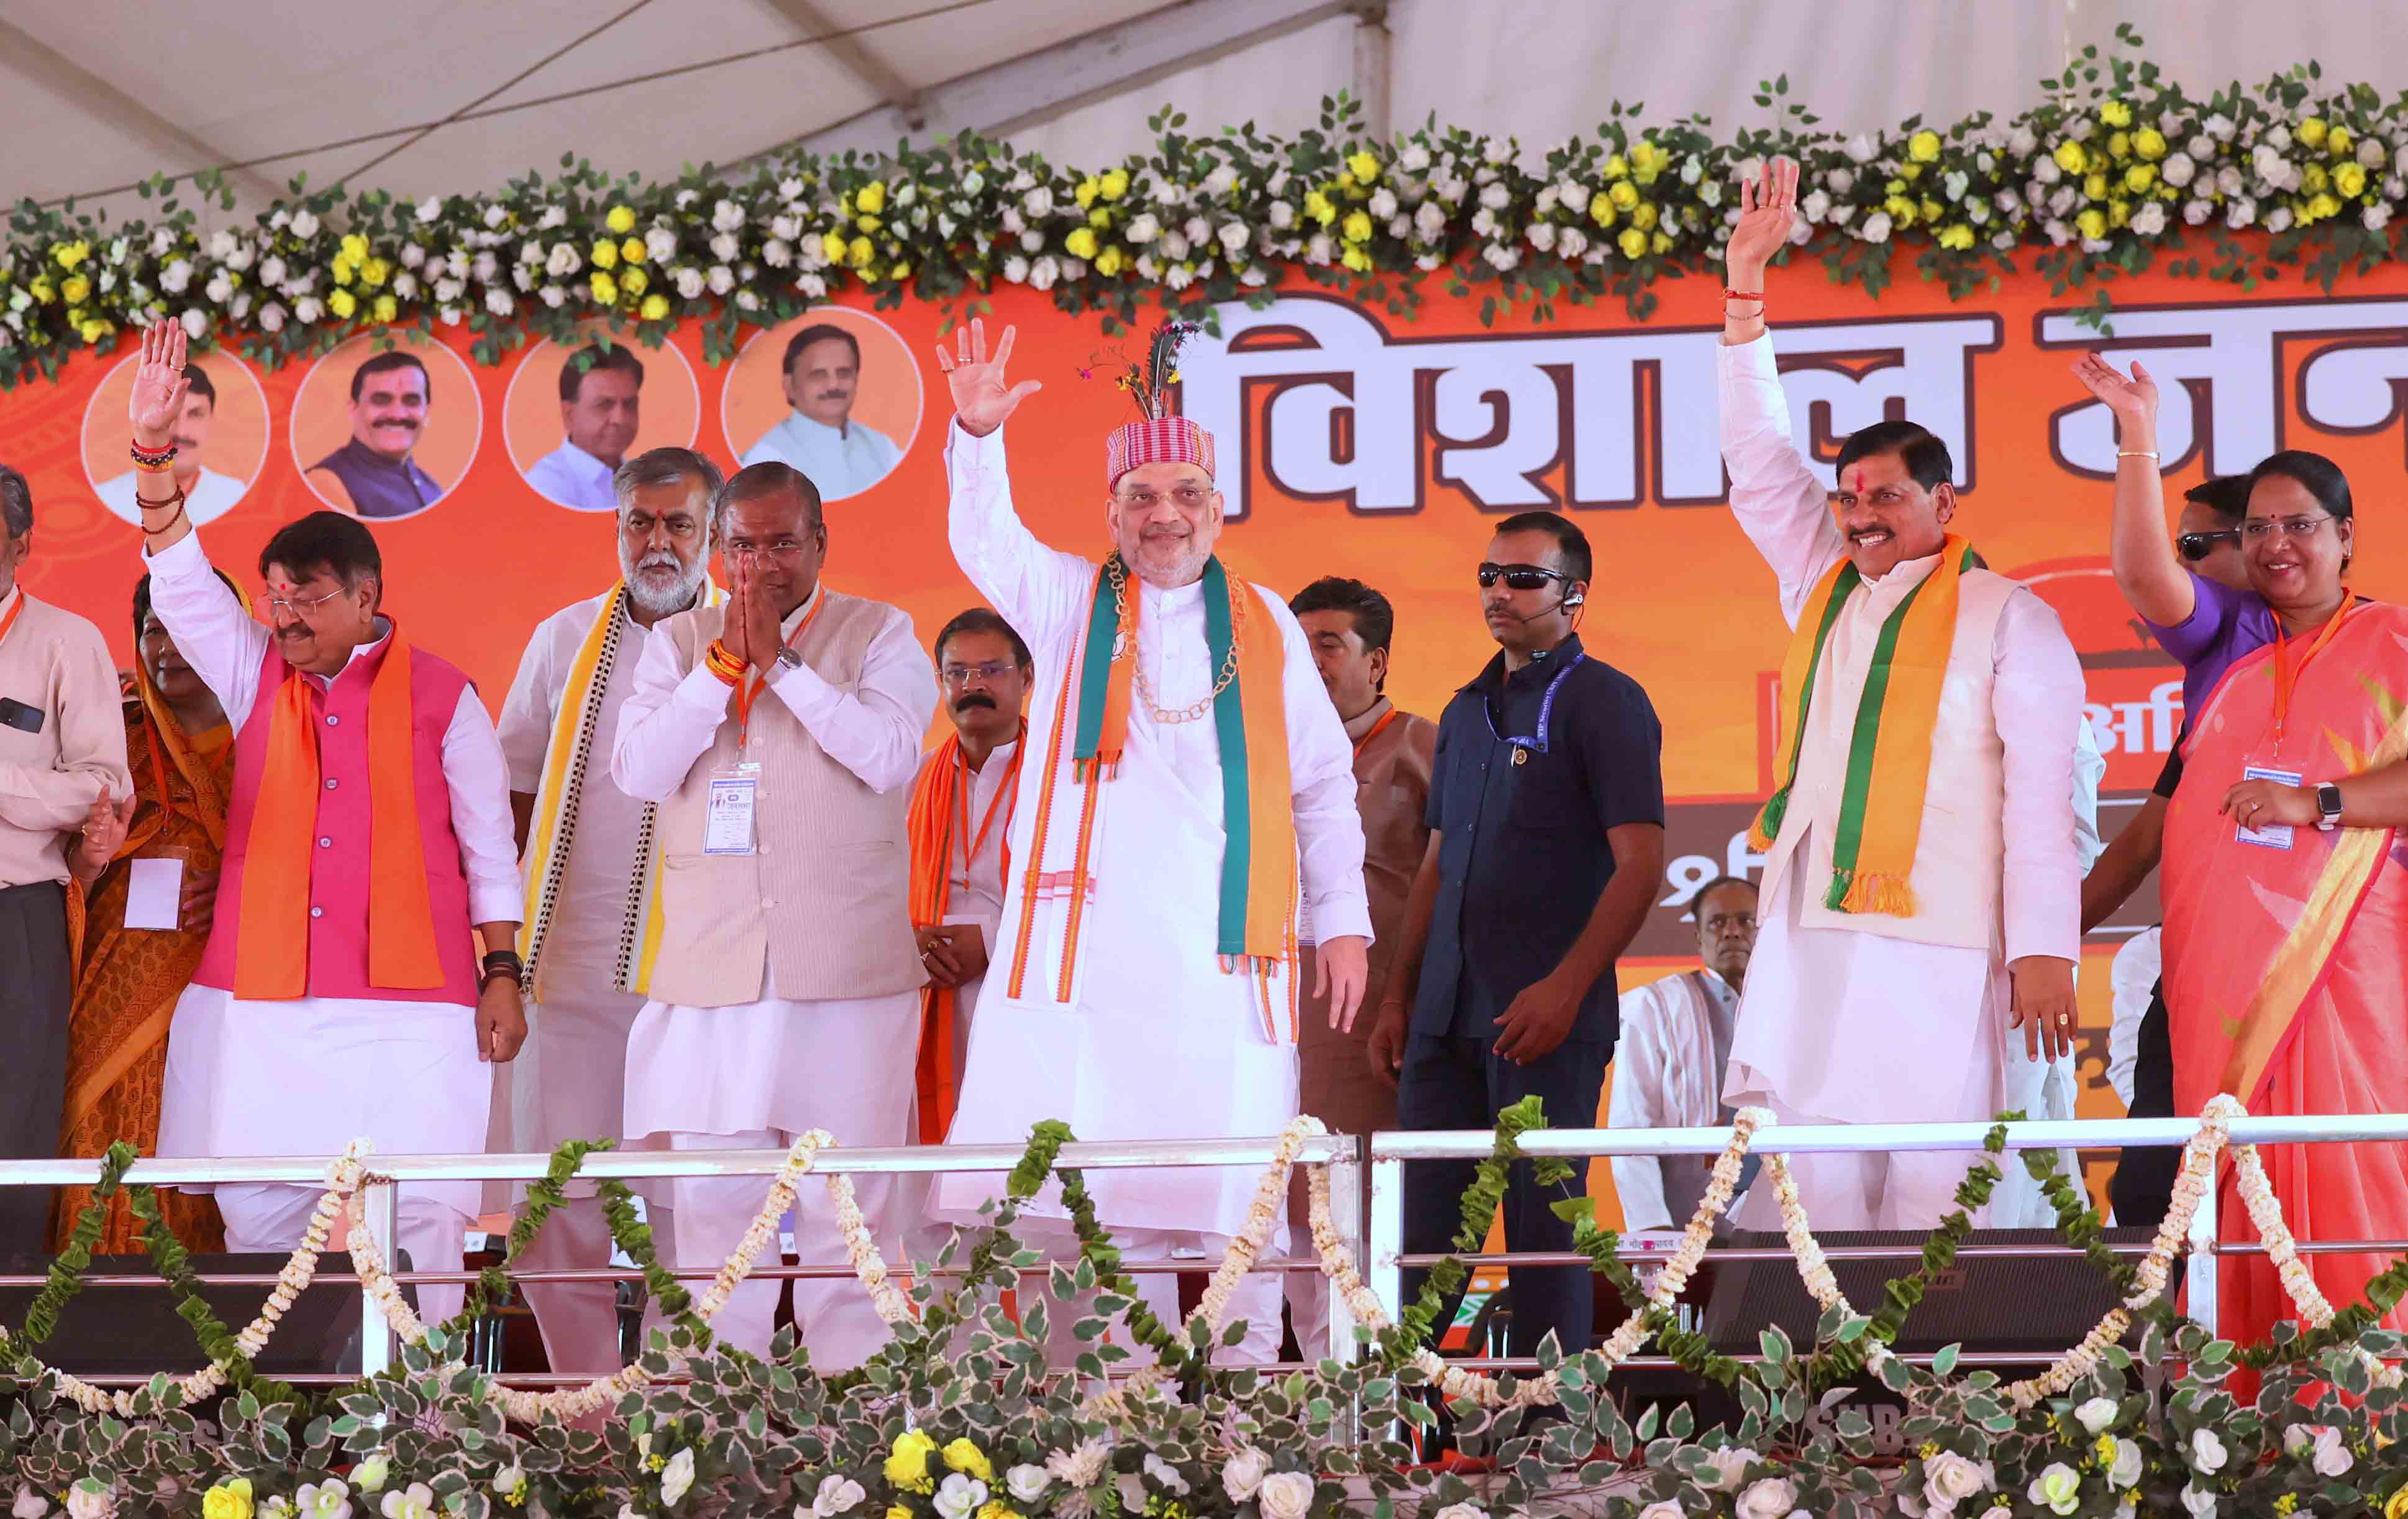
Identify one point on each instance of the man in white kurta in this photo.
(785, 994)
(1669, 1062)
(586, 849)
(1853, 1015)
(1119, 1019)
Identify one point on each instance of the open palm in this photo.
(159, 384)
(2133, 398)
(1768, 208)
(982, 397)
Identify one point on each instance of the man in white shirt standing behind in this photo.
(592, 867)
(822, 376)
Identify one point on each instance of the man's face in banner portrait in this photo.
(603, 415)
(1165, 518)
(824, 378)
(389, 412)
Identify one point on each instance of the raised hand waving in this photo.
(159, 384)
(982, 398)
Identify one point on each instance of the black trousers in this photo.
(2143, 1187)
(1452, 1082)
(34, 991)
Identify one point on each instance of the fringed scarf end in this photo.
(1855, 891)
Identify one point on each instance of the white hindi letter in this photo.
(1341, 423)
(1496, 415)
(1928, 374)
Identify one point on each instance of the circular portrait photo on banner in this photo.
(573, 414)
(221, 436)
(385, 432)
(835, 392)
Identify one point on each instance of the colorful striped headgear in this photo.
(1157, 440)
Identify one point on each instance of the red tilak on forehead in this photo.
(1857, 484)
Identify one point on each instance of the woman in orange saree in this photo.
(181, 754)
(2287, 893)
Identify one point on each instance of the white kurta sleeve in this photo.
(1042, 592)
(875, 730)
(220, 640)
(479, 784)
(2089, 771)
(1780, 503)
(2132, 980)
(1641, 1065)
(1320, 776)
(530, 711)
(666, 724)
(2035, 699)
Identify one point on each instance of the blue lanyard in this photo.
(1524, 744)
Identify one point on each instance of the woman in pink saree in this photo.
(2285, 886)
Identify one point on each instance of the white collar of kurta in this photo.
(579, 457)
(358, 652)
(999, 755)
(812, 424)
(794, 618)
(11, 599)
(1905, 572)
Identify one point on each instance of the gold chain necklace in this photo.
(1125, 647)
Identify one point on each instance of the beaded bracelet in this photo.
(154, 460)
(717, 660)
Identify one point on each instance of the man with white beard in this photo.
(593, 914)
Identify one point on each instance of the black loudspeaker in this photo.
(114, 1331)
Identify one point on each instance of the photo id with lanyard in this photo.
(2271, 835)
(727, 823)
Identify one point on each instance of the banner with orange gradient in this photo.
(1354, 441)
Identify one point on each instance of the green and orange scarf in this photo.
(1889, 750)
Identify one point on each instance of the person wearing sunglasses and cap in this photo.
(1547, 811)
(1924, 849)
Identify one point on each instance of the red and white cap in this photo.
(1157, 440)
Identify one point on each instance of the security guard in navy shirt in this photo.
(1546, 810)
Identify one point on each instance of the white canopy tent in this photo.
(460, 95)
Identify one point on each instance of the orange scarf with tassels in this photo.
(939, 814)
(271, 960)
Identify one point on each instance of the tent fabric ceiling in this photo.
(460, 95)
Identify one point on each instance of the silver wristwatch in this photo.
(788, 658)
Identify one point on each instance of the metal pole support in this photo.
(380, 1199)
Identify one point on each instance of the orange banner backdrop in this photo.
(1359, 443)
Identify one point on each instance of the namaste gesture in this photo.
(982, 400)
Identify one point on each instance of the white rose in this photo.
(1039, 202)
(564, 260)
(1462, 1511)
(2195, 212)
(1415, 159)
(1816, 205)
(2021, 142)
(2375, 217)
(175, 277)
(304, 224)
(1285, 1495)
(837, 1494)
(1223, 180)
(416, 1501)
(2047, 171)
(91, 1498)
(29, 1505)
(1027, 1484)
(689, 282)
(1543, 236)
(814, 285)
(2150, 220)
(553, 216)
(1951, 1477)
(2196, 1504)
(1768, 1497)
(1282, 215)
(1319, 250)
(2218, 126)
(308, 309)
(1841, 215)
(1148, 268)
(1165, 1473)
(1953, 183)
(777, 252)
(1032, 241)
(1860, 149)
(553, 296)
(726, 216)
(1484, 221)
(2178, 171)
(724, 247)
(1730, 1465)
(2333, 1457)
(2207, 1452)
(448, 290)
(960, 1496)
(1234, 236)
(1666, 1508)
(431, 208)
(1496, 197)
(1042, 273)
(2228, 180)
(1243, 1472)
(1429, 220)
(2279, 219)
(1176, 244)
(1501, 257)
(271, 318)
(1015, 269)
(484, 268)
(1144, 228)
(496, 215)
(722, 279)
(677, 1477)
(2125, 1470)
(660, 245)
(197, 323)
(1876, 228)
(530, 252)
(2058, 1489)
(2372, 152)
(220, 288)
(498, 302)
(747, 300)
(1840, 180)
(2063, 200)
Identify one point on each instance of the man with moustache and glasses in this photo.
(1923, 873)
(593, 870)
(822, 379)
(368, 832)
(374, 476)
(961, 810)
(601, 406)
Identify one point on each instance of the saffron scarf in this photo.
(1889, 747)
(937, 798)
(1256, 922)
(551, 831)
(271, 961)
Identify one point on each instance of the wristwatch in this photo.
(501, 963)
(789, 657)
(2328, 806)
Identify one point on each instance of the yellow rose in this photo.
(227, 1500)
(1359, 227)
(343, 303)
(1320, 208)
(1615, 167)
(898, 1511)
(2071, 158)
(93, 329)
(2397, 1508)
(1624, 194)
(2325, 206)
(76, 288)
(1601, 209)
(1911, 173)
(2313, 179)
(2118, 212)
(2140, 176)
(1088, 189)
(2312, 131)
(1356, 259)
(2093, 223)
(1110, 262)
(1347, 182)
(633, 251)
(1924, 147)
(376, 271)
(71, 254)
(1661, 243)
(908, 1463)
(1080, 243)
(965, 1456)
(1114, 184)
(44, 290)
(2350, 180)
(2119, 147)
(656, 307)
(605, 253)
(902, 270)
(621, 219)
(1900, 210)
(2115, 113)
(867, 224)
(860, 253)
(343, 269)
(1958, 237)
(1633, 243)
(355, 248)
(633, 281)
(387, 309)
(1930, 208)
(1364, 168)
(1644, 216)
(2338, 141)
(2094, 186)
(997, 1508)
(2149, 143)
(833, 245)
(870, 198)
(605, 289)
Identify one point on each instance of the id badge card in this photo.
(154, 890)
(727, 823)
(2273, 835)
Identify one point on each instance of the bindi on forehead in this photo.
(1855, 480)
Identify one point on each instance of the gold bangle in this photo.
(2136, 453)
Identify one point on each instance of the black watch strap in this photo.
(501, 963)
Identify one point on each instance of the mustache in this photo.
(661, 561)
(408, 423)
(971, 700)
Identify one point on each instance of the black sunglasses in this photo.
(1520, 577)
(2198, 546)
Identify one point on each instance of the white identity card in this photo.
(2271, 835)
(154, 893)
(728, 825)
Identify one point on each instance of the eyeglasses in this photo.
(1723, 923)
(1520, 577)
(304, 606)
(2198, 546)
(2258, 529)
(1187, 497)
(782, 548)
(992, 671)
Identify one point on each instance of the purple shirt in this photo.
(2223, 625)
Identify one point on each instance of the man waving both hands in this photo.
(1921, 880)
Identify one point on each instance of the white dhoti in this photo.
(1838, 1026)
(308, 1075)
(754, 1077)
